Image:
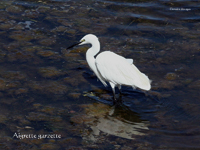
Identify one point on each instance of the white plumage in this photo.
(113, 68)
(116, 69)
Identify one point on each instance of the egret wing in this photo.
(116, 69)
(130, 60)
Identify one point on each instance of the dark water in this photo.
(49, 98)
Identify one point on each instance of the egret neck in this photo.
(91, 52)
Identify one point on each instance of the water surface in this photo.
(50, 95)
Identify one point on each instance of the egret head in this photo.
(88, 39)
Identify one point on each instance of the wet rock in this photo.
(2, 84)
(3, 118)
(7, 101)
(19, 55)
(18, 27)
(36, 116)
(79, 119)
(61, 111)
(48, 110)
(48, 41)
(13, 75)
(37, 105)
(35, 86)
(15, 9)
(64, 22)
(72, 56)
(21, 91)
(74, 95)
(46, 53)
(72, 81)
(80, 50)
(171, 76)
(1, 94)
(187, 81)
(60, 29)
(39, 35)
(51, 87)
(49, 72)
(22, 35)
(4, 4)
(31, 13)
(24, 122)
(43, 9)
(68, 141)
(49, 146)
(7, 25)
(31, 49)
(76, 79)
(13, 84)
(195, 84)
(165, 84)
(75, 148)
(96, 109)
(55, 119)
(2, 55)
(34, 141)
(71, 31)
(83, 22)
(20, 118)
(11, 47)
(56, 12)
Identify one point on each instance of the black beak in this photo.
(74, 45)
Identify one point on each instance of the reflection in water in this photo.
(108, 120)
(118, 128)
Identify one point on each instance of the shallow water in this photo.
(49, 98)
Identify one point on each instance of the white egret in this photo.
(112, 68)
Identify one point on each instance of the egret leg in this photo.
(113, 89)
(119, 87)
(120, 92)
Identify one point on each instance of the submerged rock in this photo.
(13, 75)
(195, 85)
(31, 13)
(3, 118)
(14, 9)
(2, 84)
(48, 41)
(49, 146)
(46, 53)
(171, 76)
(49, 72)
(48, 110)
(21, 91)
(165, 84)
(96, 109)
(22, 35)
(59, 29)
(74, 95)
(50, 87)
(43, 9)
(36, 116)
(79, 119)
(19, 55)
